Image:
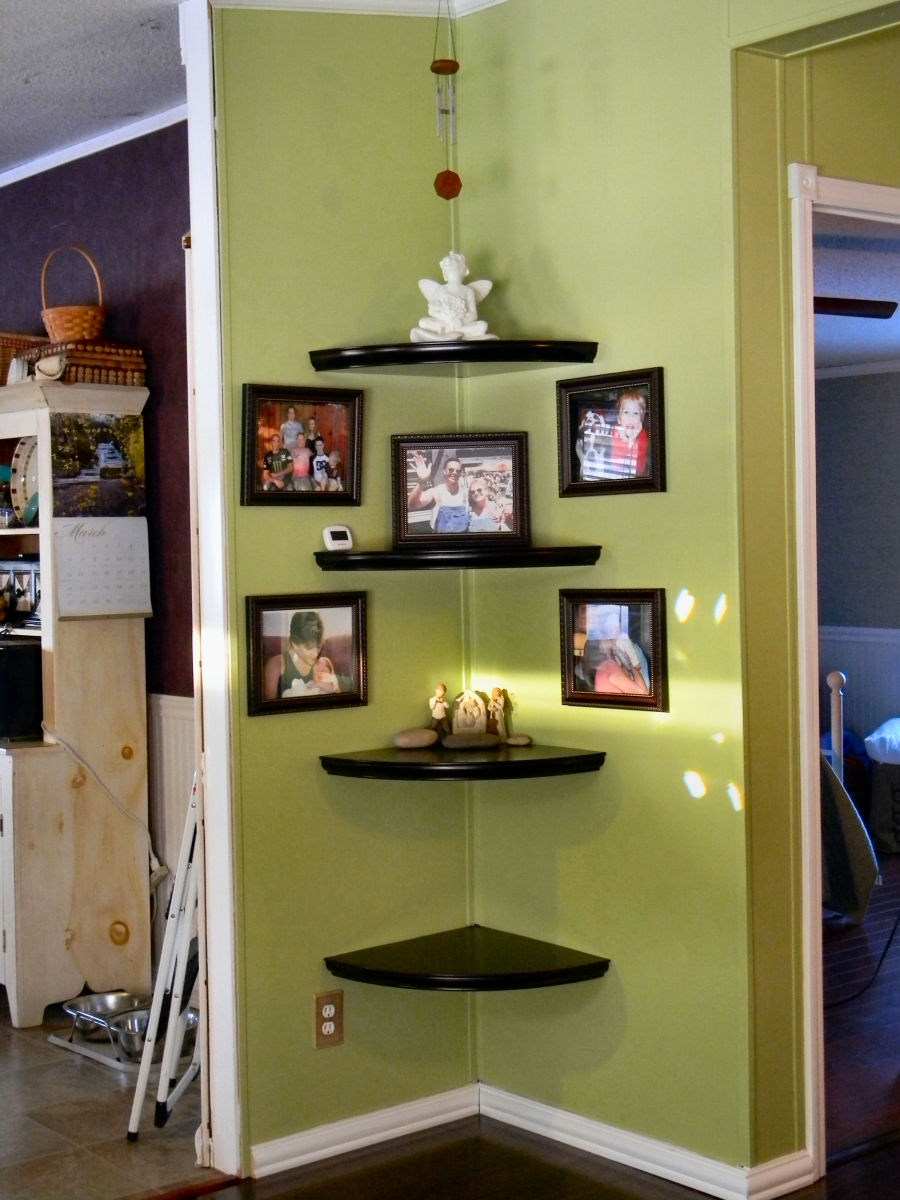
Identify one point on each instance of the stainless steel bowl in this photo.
(92, 1014)
(130, 1029)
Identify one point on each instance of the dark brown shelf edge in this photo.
(457, 558)
(435, 763)
(471, 959)
(423, 354)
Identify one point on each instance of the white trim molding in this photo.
(653, 1157)
(224, 1150)
(103, 141)
(340, 1137)
(810, 192)
(380, 8)
(660, 1159)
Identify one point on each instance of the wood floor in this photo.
(62, 1134)
(861, 976)
(479, 1159)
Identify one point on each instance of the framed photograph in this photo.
(613, 648)
(611, 434)
(460, 489)
(302, 445)
(306, 651)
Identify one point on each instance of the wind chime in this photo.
(447, 182)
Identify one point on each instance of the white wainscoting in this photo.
(171, 747)
(665, 1161)
(870, 658)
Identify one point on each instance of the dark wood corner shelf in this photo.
(495, 353)
(493, 762)
(457, 557)
(471, 959)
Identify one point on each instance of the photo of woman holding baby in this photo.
(306, 651)
(611, 436)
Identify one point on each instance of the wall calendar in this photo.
(102, 567)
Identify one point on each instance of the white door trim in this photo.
(224, 1148)
(810, 193)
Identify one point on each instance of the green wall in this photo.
(604, 213)
(312, 256)
(603, 208)
(811, 108)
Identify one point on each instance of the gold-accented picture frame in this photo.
(306, 651)
(613, 648)
(301, 445)
(467, 489)
(611, 433)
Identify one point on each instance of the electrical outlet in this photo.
(329, 1019)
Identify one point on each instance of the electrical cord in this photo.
(158, 870)
(865, 987)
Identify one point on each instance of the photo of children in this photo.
(301, 445)
(611, 436)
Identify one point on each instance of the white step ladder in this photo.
(174, 983)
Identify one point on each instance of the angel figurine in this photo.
(452, 305)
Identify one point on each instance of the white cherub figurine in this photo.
(452, 305)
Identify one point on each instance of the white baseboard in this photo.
(665, 1161)
(324, 1141)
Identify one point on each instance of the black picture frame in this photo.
(599, 668)
(335, 623)
(596, 455)
(494, 470)
(337, 413)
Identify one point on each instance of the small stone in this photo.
(518, 739)
(415, 739)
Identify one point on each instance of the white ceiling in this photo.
(73, 72)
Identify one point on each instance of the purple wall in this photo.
(128, 207)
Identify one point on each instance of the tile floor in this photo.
(63, 1132)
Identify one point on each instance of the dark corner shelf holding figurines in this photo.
(474, 957)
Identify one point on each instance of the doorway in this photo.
(813, 198)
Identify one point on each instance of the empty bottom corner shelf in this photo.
(471, 959)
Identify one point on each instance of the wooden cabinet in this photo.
(74, 846)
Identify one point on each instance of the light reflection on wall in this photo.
(693, 781)
(684, 605)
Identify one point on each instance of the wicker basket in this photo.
(94, 361)
(73, 322)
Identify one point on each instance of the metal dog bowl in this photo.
(93, 1014)
(130, 1029)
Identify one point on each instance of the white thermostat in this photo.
(338, 537)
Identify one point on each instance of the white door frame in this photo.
(811, 193)
(220, 1143)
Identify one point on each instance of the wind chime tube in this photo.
(447, 183)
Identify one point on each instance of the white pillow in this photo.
(884, 744)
